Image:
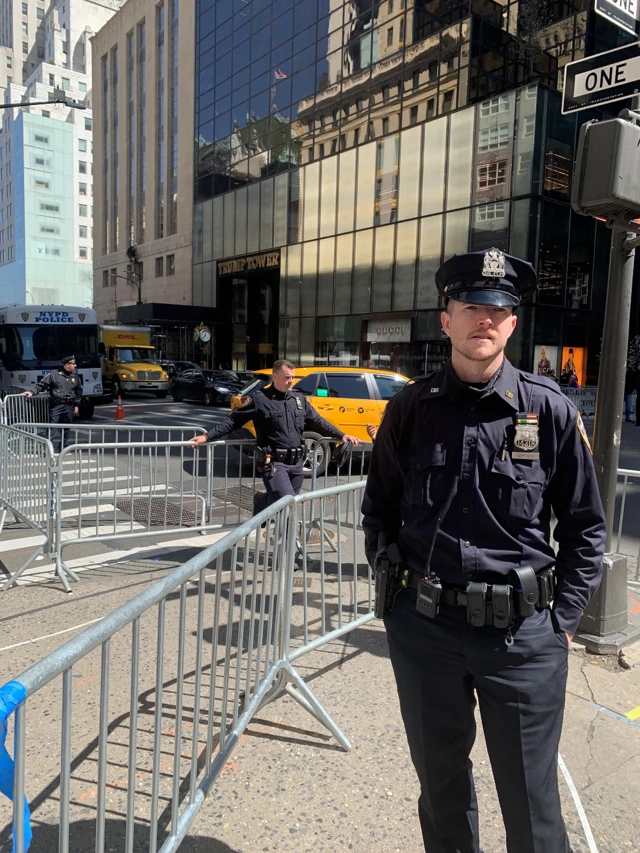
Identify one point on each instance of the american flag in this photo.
(279, 75)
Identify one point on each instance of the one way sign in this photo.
(610, 76)
(623, 13)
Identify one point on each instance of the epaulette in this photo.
(542, 382)
(427, 378)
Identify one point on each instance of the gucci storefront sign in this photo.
(389, 331)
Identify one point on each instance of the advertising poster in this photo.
(574, 360)
(545, 361)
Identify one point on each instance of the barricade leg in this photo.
(14, 577)
(298, 690)
(63, 571)
(2, 519)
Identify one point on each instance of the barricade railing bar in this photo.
(188, 704)
(27, 485)
(628, 476)
(18, 408)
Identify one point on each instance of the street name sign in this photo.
(601, 79)
(623, 13)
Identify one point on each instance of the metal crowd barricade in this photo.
(628, 475)
(17, 408)
(27, 485)
(188, 704)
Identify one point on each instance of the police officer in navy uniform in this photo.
(65, 392)
(467, 467)
(279, 416)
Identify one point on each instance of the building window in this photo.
(25, 8)
(529, 127)
(416, 79)
(82, 145)
(9, 62)
(82, 87)
(433, 71)
(82, 210)
(82, 251)
(9, 232)
(47, 208)
(390, 7)
(413, 115)
(46, 114)
(492, 174)
(66, 84)
(25, 28)
(386, 93)
(401, 33)
(88, 124)
(82, 231)
(43, 185)
(52, 80)
(491, 138)
(524, 163)
(39, 13)
(43, 139)
(431, 107)
(390, 37)
(25, 48)
(159, 267)
(82, 167)
(105, 278)
(82, 189)
(495, 105)
(451, 63)
(40, 52)
(489, 212)
(447, 102)
(49, 229)
(356, 136)
(385, 126)
(170, 266)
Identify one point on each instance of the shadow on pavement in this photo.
(82, 839)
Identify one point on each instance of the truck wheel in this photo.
(116, 389)
(161, 394)
(322, 454)
(87, 408)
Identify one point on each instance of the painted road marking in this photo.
(634, 715)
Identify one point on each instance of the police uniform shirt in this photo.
(279, 419)
(62, 387)
(440, 445)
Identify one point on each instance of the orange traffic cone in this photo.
(120, 415)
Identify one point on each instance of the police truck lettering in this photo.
(54, 317)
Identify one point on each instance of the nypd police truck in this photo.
(33, 338)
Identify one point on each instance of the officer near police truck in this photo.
(279, 415)
(65, 393)
(467, 467)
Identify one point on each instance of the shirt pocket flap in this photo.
(521, 472)
(427, 456)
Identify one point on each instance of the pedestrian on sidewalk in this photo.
(466, 469)
(629, 388)
(279, 415)
(65, 393)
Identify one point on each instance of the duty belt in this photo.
(288, 455)
(486, 604)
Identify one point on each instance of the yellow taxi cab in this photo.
(348, 397)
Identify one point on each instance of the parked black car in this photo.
(211, 387)
(175, 368)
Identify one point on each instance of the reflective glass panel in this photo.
(460, 161)
(363, 263)
(241, 221)
(406, 254)
(408, 196)
(309, 274)
(328, 196)
(346, 191)
(366, 185)
(253, 228)
(434, 152)
(266, 214)
(383, 268)
(311, 188)
(344, 272)
(325, 275)
(429, 260)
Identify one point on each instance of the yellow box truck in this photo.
(129, 361)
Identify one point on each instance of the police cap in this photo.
(67, 358)
(488, 277)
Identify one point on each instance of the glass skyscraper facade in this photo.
(345, 148)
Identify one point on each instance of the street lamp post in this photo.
(74, 105)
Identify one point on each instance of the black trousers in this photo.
(441, 665)
(284, 480)
(60, 413)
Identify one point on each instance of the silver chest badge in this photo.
(493, 266)
(526, 441)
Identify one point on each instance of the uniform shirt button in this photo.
(467, 544)
(473, 408)
(519, 477)
(471, 441)
(465, 509)
(418, 466)
(465, 476)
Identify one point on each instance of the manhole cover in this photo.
(241, 496)
(159, 512)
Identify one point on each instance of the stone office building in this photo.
(345, 149)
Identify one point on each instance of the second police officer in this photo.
(467, 468)
(65, 393)
(279, 415)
